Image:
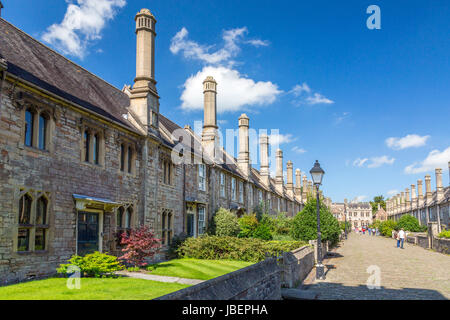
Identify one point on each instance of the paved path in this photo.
(411, 273)
(154, 277)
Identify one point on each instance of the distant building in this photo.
(358, 214)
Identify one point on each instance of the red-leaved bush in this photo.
(140, 245)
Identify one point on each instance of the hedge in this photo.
(232, 248)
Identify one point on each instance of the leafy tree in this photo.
(141, 244)
(378, 200)
(226, 223)
(248, 224)
(387, 226)
(304, 225)
(409, 223)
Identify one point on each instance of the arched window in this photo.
(43, 123)
(120, 217)
(25, 210)
(96, 149)
(29, 127)
(41, 211)
(128, 217)
(87, 141)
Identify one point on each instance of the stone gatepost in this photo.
(432, 232)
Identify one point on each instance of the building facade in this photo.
(433, 206)
(358, 214)
(82, 161)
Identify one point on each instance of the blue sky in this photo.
(336, 90)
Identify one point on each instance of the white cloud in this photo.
(235, 91)
(409, 141)
(82, 23)
(317, 98)
(278, 139)
(393, 192)
(298, 150)
(195, 51)
(373, 162)
(435, 159)
(359, 199)
(360, 162)
(304, 95)
(341, 117)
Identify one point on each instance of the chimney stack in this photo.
(305, 189)
(439, 185)
(408, 201)
(144, 99)
(413, 197)
(244, 154)
(264, 158)
(210, 139)
(403, 201)
(310, 188)
(420, 193)
(290, 178)
(428, 194)
(298, 184)
(279, 171)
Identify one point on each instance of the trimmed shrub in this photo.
(409, 223)
(444, 234)
(248, 224)
(281, 224)
(263, 230)
(226, 223)
(92, 265)
(232, 248)
(387, 226)
(304, 226)
(176, 242)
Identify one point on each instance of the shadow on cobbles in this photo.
(337, 291)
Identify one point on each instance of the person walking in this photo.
(401, 238)
(370, 231)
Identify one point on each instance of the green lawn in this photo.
(91, 289)
(196, 268)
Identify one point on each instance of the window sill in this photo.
(34, 149)
(93, 165)
(26, 253)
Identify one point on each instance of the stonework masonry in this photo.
(82, 162)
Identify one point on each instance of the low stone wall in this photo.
(325, 248)
(422, 241)
(441, 245)
(296, 265)
(261, 281)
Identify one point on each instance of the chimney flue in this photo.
(279, 171)
(439, 185)
(209, 135)
(264, 158)
(428, 189)
(244, 154)
(145, 50)
(290, 178)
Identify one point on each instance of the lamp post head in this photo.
(317, 173)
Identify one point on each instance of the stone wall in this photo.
(441, 245)
(296, 265)
(261, 281)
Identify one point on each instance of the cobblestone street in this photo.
(411, 273)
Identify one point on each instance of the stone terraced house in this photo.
(82, 161)
(433, 207)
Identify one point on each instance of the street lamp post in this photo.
(345, 216)
(317, 175)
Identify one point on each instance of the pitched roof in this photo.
(36, 63)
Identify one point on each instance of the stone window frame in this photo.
(93, 130)
(222, 184)
(201, 230)
(167, 218)
(38, 110)
(32, 227)
(241, 191)
(201, 173)
(250, 195)
(233, 189)
(125, 164)
(167, 168)
(128, 209)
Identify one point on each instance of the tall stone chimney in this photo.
(305, 189)
(244, 154)
(407, 200)
(210, 135)
(279, 183)
(298, 184)
(264, 158)
(420, 193)
(310, 188)
(144, 99)
(290, 178)
(413, 197)
(439, 185)
(428, 194)
(403, 201)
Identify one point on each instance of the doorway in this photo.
(88, 232)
